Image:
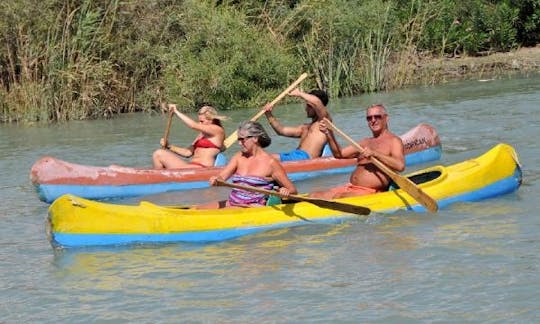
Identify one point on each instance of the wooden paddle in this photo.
(404, 183)
(329, 204)
(233, 137)
(167, 129)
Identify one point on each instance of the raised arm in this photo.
(289, 131)
(313, 101)
(209, 129)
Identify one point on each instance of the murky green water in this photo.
(474, 262)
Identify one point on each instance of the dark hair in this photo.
(323, 97)
(255, 129)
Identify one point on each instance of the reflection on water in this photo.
(246, 250)
(493, 224)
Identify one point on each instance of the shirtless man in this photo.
(384, 145)
(312, 140)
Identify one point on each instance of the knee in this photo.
(157, 153)
(316, 194)
(322, 195)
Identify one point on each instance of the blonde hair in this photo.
(211, 113)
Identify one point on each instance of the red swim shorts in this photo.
(352, 189)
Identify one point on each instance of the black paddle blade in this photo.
(329, 204)
(347, 208)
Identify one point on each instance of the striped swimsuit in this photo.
(239, 197)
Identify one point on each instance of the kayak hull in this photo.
(77, 222)
(53, 178)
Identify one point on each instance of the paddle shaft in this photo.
(348, 208)
(167, 129)
(232, 138)
(404, 183)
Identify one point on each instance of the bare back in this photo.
(312, 140)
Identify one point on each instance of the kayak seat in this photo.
(418, 179)
(273, 200)
(221, 160)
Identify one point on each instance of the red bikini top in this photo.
(204, 142)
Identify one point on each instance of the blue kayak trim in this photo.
(430, 154)
(86, 240)
(50, 192)
(501, 187)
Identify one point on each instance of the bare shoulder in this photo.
(365, 141)
(389, 136)
(274, 162)
(212, 129)
(271, 158)
(396, 138)
(237, 156)
(396, 144)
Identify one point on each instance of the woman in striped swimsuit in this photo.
(204, 149)
(252, 166)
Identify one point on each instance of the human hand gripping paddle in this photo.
(329, 204)
(167, 129)
(404, 183)
(232, 138)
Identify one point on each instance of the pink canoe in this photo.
(53, 177)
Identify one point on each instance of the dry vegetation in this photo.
(85, 59)
(437, 70)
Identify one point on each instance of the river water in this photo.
(472, 262)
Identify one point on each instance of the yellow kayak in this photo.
(74, 221)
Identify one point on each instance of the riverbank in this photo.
(439, 70)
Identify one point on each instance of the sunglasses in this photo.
(374, 117)
(242, 139)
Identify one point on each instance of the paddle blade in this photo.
(414, 191)
(335, 205)
(328, 204)
(167, 129)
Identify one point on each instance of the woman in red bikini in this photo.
(204, 149)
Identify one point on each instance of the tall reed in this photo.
(62, 70)
(81, 59)
(405, 58)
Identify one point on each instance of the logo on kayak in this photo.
(415, 143)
